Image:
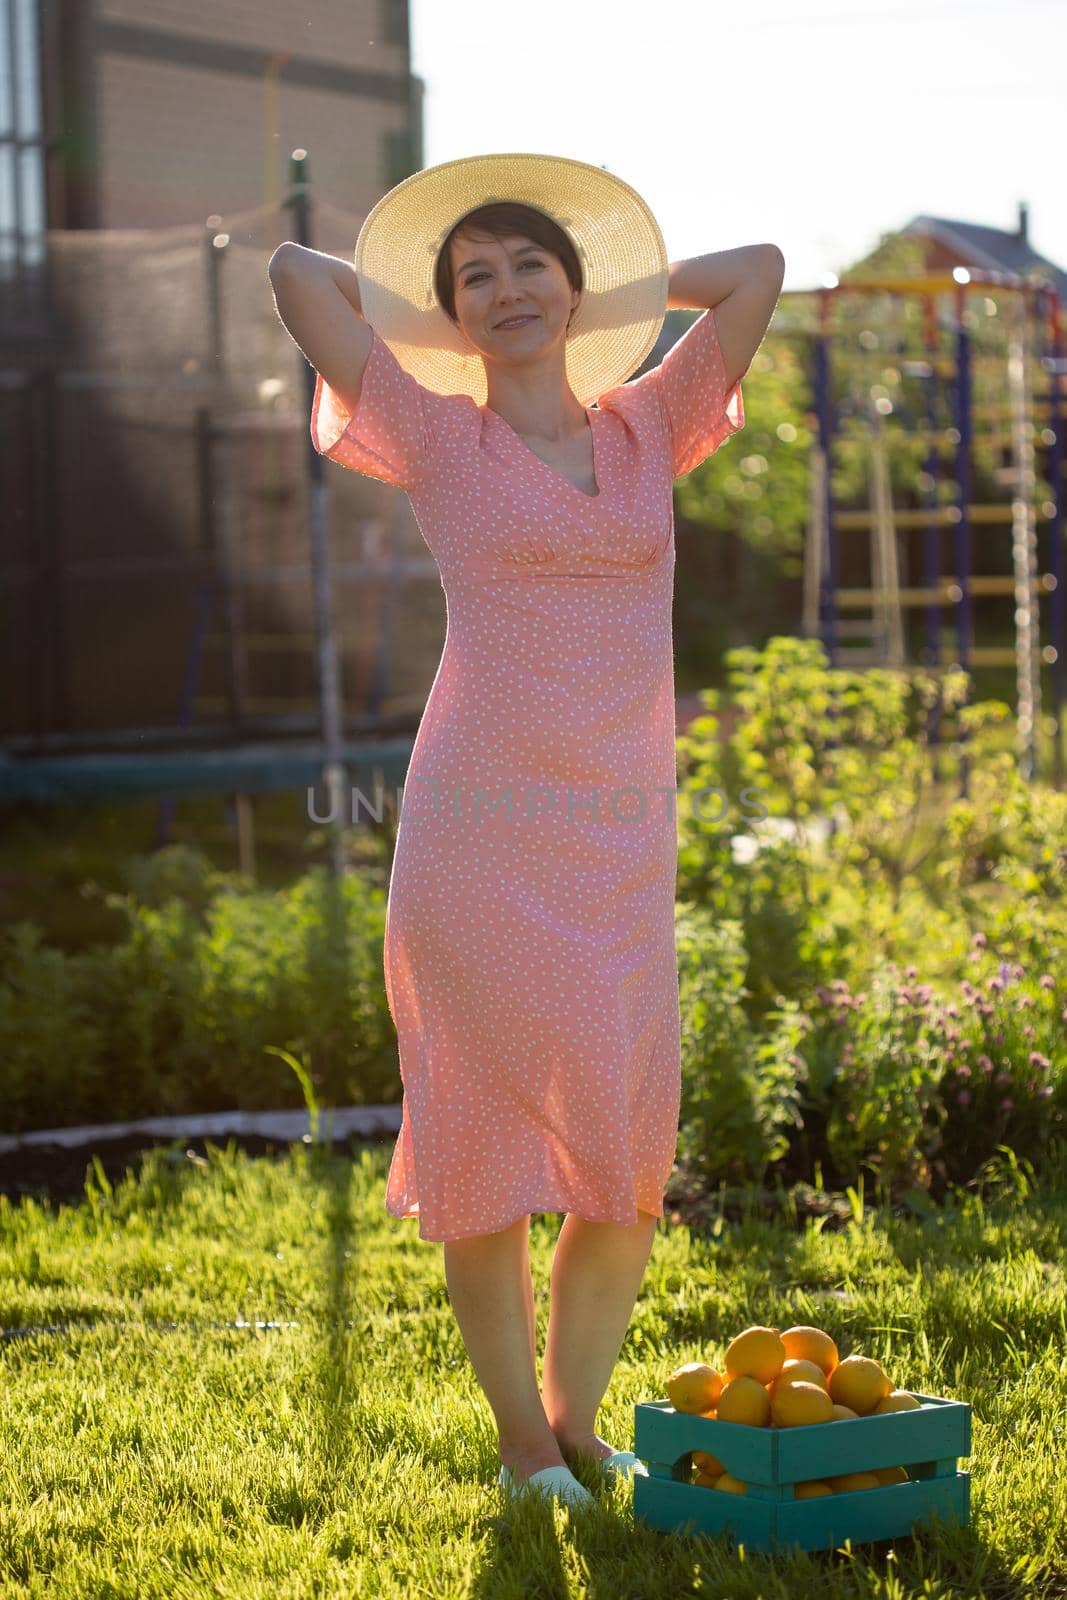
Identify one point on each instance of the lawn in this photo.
(152, 1448)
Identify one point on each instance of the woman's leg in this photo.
(596, 1274)
(491, 1291)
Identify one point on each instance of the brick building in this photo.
(149, 113)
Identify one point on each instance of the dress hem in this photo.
(529, 1210)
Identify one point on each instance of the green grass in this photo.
(353, 1454)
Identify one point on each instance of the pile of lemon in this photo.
(787, 1380)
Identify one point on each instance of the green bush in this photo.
(903, 1081)
(840, 763)
(51, 1037)
(180, 1013)
(737, 1098)
(855, 859)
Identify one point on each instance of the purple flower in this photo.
(1028, 1032)
(1007, 1105)
(1044, 1092)
(996, 984)
(952, 1011)
(985, 1063)
(1047, 981)
(912, 972)
(980, 940)
(963, 1072)
(1005, 973)
(1038, 1060)
(964, 1097)
(1002, 1079)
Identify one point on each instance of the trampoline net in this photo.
(155, 451)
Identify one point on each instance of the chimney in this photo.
(1024, 219)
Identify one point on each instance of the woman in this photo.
(530, 962)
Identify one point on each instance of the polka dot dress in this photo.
(530, 962)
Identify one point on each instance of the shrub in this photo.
(904, 1080)
(50, 1031)
(179, 1013)
(736, 1100)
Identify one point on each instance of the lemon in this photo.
(843, 1413)
(898, 1400)
(811, 1489)
(745, 1400)
(859, 1382)
(891, 1475)
(694, 1387)
(797, 1405)
(846, 1481)
(800, 1368)
(811, 1344)
(728, 1484)
(756, 1353)
(709, 1465)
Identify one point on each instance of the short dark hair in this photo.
(495, 221)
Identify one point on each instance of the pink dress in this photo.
(530, 962)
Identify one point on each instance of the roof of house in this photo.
(995, 249)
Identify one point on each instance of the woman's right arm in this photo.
(317, 297)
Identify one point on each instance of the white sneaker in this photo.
(622, 1464)
(556, 1483)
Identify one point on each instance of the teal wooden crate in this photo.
(770, 1460)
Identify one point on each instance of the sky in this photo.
(817, 131)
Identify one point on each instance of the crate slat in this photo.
(899, 1439)
(863, 1515)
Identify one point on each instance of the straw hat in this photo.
(614, 234)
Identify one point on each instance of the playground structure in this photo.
(234, 739)
(944, 413)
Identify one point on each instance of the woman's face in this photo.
(497, 279)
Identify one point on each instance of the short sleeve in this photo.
(394, 432)
(699, 412)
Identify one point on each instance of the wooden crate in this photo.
(771, 1460)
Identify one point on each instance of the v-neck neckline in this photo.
(561, 477)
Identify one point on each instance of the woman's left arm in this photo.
(742, 287)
